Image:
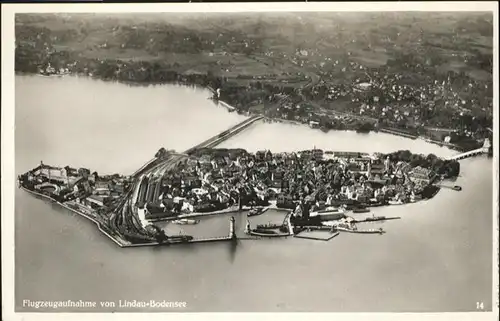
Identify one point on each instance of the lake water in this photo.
(438, 257)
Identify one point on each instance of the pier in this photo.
(455, 187)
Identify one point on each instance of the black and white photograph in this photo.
(332, 158)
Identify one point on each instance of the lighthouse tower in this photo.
(232, 233)
(486, 145)
(247, 227)
(289, 223)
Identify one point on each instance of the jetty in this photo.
(454, 187)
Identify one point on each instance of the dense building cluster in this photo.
(80, 185)
(218, 178)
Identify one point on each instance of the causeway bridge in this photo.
(214, 141)
(158, 167)
(482, 150)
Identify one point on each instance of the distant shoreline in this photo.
(231, 108)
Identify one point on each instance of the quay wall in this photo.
(118, 242)
(208, 240)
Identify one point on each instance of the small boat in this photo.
(361, 210)
(395, 203)
(256, 211)
(186, 221)
(457, 188)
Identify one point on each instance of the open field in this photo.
(309, 57)
(380, 37)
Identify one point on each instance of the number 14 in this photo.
(479, 305)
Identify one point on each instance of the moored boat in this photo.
(267, 233)
(186, 221)
(329, 214)
(361, 210)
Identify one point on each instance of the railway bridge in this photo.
(225, 135)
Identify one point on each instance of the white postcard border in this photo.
(7, 143)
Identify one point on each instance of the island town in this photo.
(317, 190)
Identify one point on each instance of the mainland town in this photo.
(406, 80)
